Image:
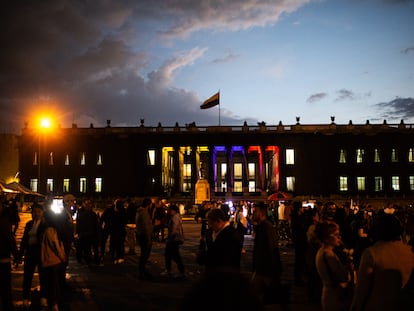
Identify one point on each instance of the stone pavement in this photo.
(117, 286)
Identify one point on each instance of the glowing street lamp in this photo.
(44, 124)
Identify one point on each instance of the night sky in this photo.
(272, 60)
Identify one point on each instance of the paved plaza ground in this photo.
(117, 286)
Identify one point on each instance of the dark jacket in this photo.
(7, 241)
(24, 244)
(224, 253)
(266, 256)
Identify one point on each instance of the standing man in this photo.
(223, 244)
(267, 266)
(144, 231)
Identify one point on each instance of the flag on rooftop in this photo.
(211, 102)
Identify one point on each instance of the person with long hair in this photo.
(334, 274)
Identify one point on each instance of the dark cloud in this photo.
(89, 61)
(227, 58)
(398, 108)
(345, 94)
(408, 50)
(316, 97)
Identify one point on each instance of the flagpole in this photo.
(219, 106)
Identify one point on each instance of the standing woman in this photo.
(334, 275)
(174, 239)
(30, 247)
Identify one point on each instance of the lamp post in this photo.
(44, 125)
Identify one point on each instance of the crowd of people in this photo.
(348, 257)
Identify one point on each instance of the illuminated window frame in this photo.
(378, 183)
(343, 183)
(360, 183)
(66, 185)
(290, 156)
(82, 185)
(98, 184)
(395, 183)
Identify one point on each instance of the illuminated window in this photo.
(360, 155)
(67, 162)
(99, 160)
(238, 186)
(252, 186)
(187, 177)
(342, 156)
(361, 183)
(35, 158)
(51, 158)
(83, 158)
(187, 169)
(343, 183)
(151, 157)
(34, 185)
(411, 155)
(49, 184)
(290, 183)
(252, 170)
(82, 185)
(290, 156)
(66, 182)
(377, 158)
(395, 183)
(411, 182)
(394, 155)
(238, 170)
(98, 184)
(378, 183)
(223, 170)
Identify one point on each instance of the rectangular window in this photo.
(361, 183)
(252, 170)
(252, 186)
(395, 183)
(223, 170)
(394, 155)
(49, 184)
(290, 183)
(98, 184)
(82, 185)
(343, 183)
(187, 177)
(342, 156)
(411, 155)
(67, 162)
(83, 158)
(34, 185)
(187, 170)
(290, 156)
(378, 183)
(238, 170)
(238, 186)
(66, 185)
(377, 158)
(360, 155)
(411, 182)
(151, 157)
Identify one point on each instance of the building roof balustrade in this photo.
(331, 128)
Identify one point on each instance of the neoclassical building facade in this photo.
(250, 162)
